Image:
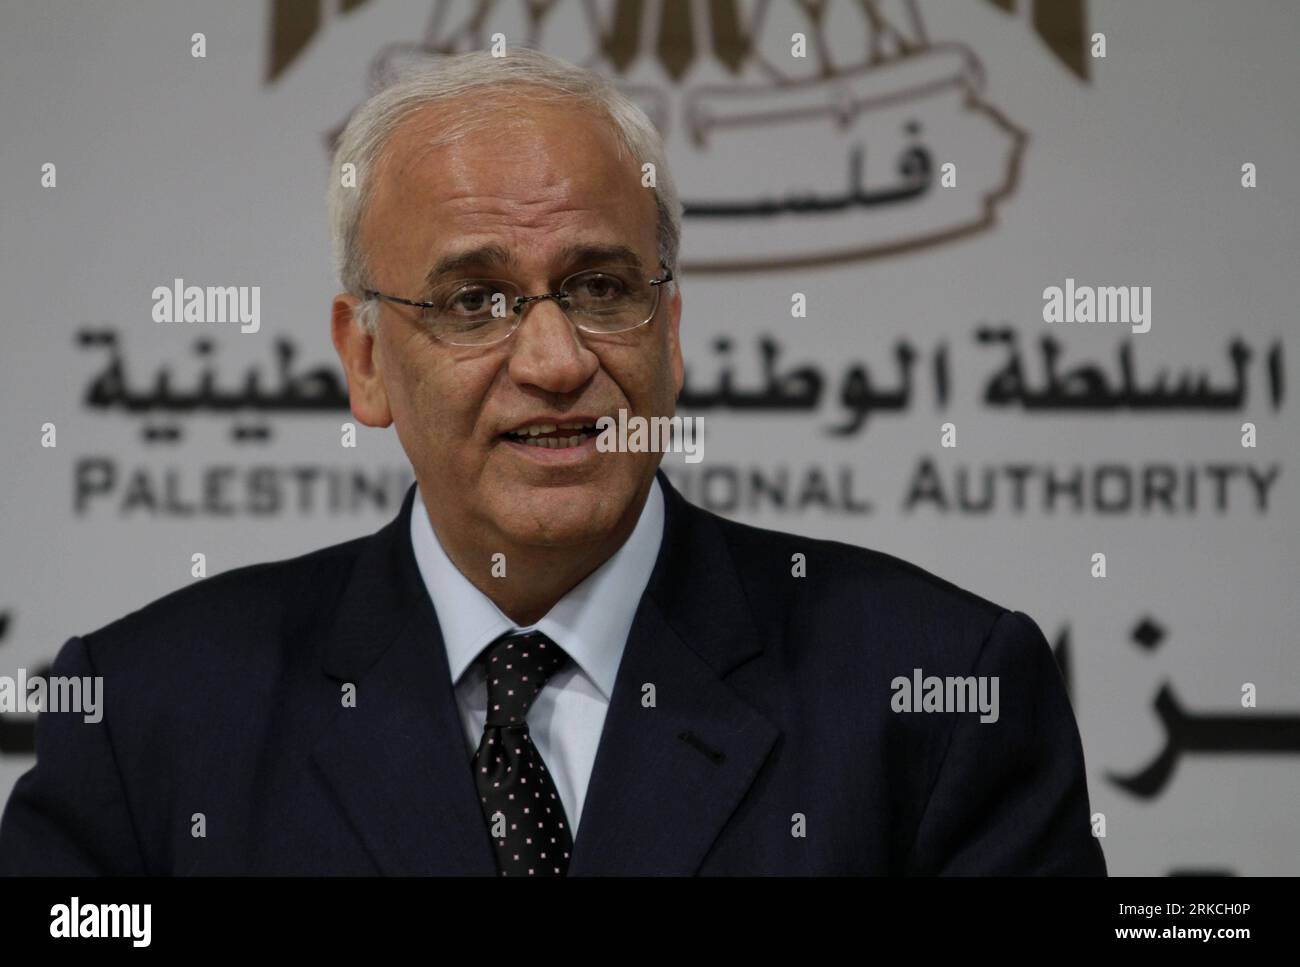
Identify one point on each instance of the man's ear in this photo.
(357, 350)
(674, 337)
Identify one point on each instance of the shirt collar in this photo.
(591, 622)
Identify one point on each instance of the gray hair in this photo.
(524, 72)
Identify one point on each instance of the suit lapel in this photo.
(397, 761)
(667, 778)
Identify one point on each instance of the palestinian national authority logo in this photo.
(878, 140)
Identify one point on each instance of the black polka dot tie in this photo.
(525, 817)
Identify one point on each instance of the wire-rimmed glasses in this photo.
(480, 312)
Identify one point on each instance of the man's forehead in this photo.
(512, 150)
(464, 257)
(549, 171)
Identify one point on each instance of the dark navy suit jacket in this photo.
(771, 747)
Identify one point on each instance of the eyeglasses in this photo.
(481, 312)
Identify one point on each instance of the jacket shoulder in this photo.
(248, 605)
(846, 568)
(842, 595)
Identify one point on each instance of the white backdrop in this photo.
(1122, 170)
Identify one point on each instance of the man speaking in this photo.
(550, 663)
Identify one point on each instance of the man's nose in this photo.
(548, 351)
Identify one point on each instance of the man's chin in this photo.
(561, 515)
(567, 530)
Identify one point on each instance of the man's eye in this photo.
(598, 286)
(470, 300)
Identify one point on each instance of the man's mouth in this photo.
(553, 436)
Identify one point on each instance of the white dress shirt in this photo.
(590, 623)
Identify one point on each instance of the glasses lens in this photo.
(610, 299)
(471, 312)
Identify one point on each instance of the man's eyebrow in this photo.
(482, 255)
(586, 254)
(494, 255)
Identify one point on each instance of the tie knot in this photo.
(517, 667)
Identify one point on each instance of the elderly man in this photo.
(549, 663)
